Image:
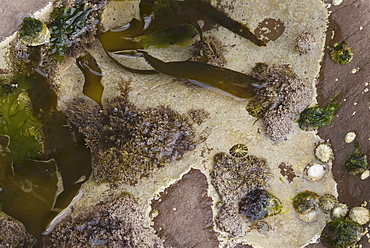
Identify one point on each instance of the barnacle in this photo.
(33, 32)
(339, 210)
(314, 117)
(314, 171)
(341, 53)
(328, 202)
(356, 163)
(324, 152)
(258, 204)
(342, 233)
(305, 42)
(238, 150)
(306, 204)
(360, 215)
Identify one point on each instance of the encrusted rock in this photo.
(117, 222)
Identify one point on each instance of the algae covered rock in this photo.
(118, 222)
(14, 234)
(128, 143)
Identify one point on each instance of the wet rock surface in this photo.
(185, 214)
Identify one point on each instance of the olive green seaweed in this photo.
(93, 87)
(168, 22)
(356, 163)
(314, 117)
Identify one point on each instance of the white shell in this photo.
(315, 171)
(324, 152)
(350, 137)
(309, 216)
(365, 174)
(359, 214)
(336, 2)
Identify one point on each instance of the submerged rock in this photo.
(14, 234)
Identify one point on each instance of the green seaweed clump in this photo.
(341, 53)
(68, 24)
(314, 117)
(33, 32)
(115, 222)
(356, 163)
(258, 204)
(342, 233)
(128, 143)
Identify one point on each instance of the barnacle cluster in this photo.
(118, 222)
(14, 234)
(128, 143)
(279, 99)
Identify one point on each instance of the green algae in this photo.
(48, 159)
(314, 117)
(18, 121)
(67, 24)
(356, 163)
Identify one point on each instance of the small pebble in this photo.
(360, 215)
(365, 174)
(336, 2)
(350, 137)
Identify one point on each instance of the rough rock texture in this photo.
(14, 234)
(283, 95)
(117, 222)
(234, 177)
(185, 214)
(128, 143)
(229, 220)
